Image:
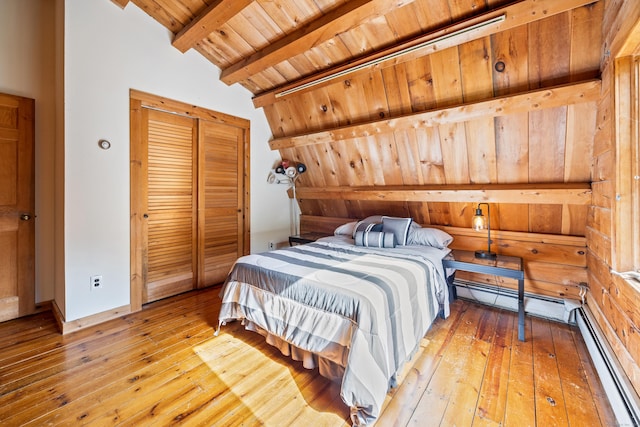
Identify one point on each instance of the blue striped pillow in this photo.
(375, 239)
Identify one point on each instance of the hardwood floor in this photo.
(163, 366)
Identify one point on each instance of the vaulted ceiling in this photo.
(417, 107)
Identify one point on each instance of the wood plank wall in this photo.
(614, 302)
(555, 265)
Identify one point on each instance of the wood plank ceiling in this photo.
(504, 112)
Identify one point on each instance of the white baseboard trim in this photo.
(622, 397)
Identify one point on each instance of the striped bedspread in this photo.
(362, 310)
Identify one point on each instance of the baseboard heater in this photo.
(622, 397)
(537, 305)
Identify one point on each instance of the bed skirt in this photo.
(327, 368)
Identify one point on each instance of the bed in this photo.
(357, 313)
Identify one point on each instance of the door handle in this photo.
(145, 216)
(25, 217)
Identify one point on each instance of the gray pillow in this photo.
(398, 226)
(375, 239)
(429, 237)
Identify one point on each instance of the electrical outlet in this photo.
(96, 282)
(272, 246)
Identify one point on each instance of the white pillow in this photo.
(346, 229)
(373, 218)
(349, 229)
(429, 237)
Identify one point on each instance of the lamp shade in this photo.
(478, 223)
(290, 172)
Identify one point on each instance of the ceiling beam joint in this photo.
(308, 36)
(209, 20)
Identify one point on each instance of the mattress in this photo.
(356, 313)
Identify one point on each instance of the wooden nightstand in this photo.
(504, 266)
(305, 238)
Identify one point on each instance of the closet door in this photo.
(171, 205)
(221, 219)
(189, 198)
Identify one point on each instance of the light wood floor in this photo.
(163, 366)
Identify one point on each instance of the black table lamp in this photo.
(478, 224)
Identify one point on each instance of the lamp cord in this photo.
(295, 208)
(498, 294)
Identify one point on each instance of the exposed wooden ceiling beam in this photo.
(121, 3)
(212, 18)
(549, 194)
(626, 30)
(327, 27)
(517, 14)
(528, 101)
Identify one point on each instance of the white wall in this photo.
(108, 51)
(27, 68)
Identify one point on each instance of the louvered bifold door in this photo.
(221, 227)
(171, 205)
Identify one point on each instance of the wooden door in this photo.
(189, 196)
(171, 219)
(17, 202)
(221, 219)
